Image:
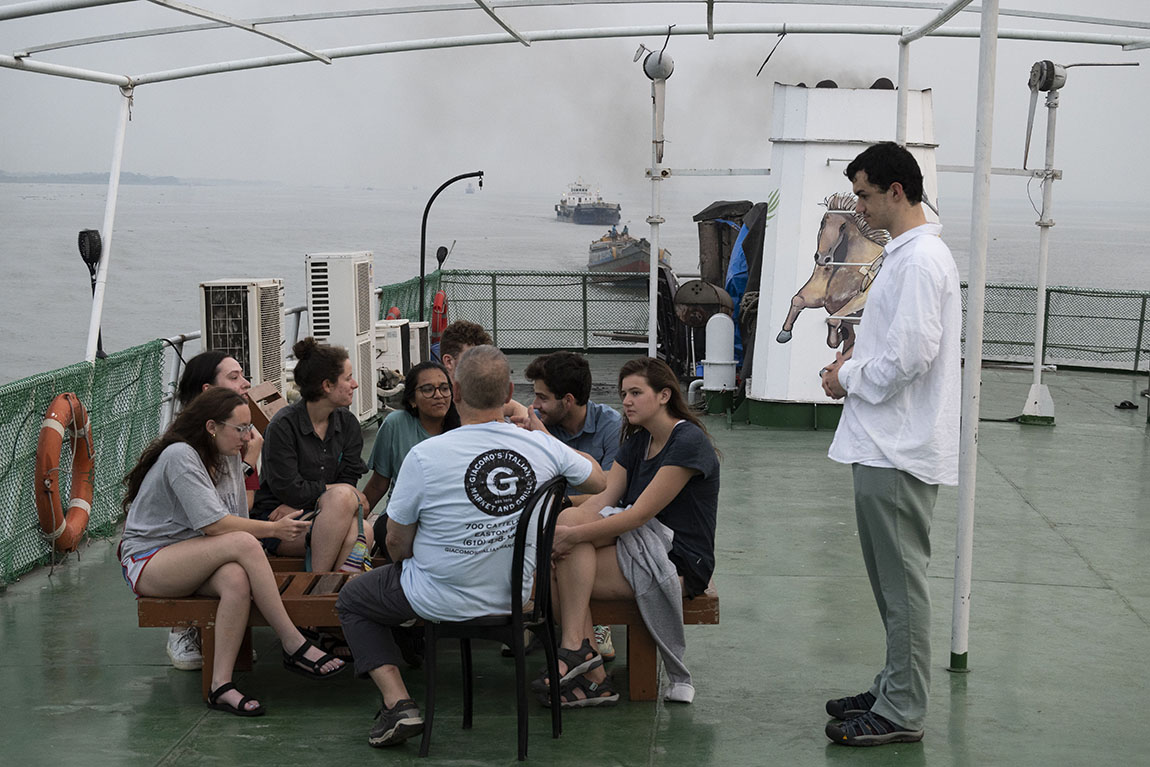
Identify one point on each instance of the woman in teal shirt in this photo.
(428, 411)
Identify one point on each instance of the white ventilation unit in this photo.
(339, 290)
(244, 319)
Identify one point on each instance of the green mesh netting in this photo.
(122, 394)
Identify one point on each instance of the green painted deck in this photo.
(1060, 629)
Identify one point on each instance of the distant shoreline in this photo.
(138, 179)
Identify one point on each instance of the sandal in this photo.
(296, 662)
(214, 697)
(577, 664)
(593, 694)
(332, 644)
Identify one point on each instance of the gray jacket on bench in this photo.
(642, 556)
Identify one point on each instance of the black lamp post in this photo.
(91, 248)
(423, 231)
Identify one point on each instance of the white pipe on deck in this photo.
(1039, 407)
(903, 92)
(653, 220)
(109, 222)
(975, 306)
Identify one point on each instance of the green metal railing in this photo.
(526, 310)
(1103, 329)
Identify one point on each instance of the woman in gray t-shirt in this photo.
(183, 536)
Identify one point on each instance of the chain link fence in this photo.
(122, 394)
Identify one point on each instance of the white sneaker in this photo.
(184, 649)
(603, 642)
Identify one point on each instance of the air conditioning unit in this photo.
(244, 319)
(392, 346)
(339, 292)
(420, 342)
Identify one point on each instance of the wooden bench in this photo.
(308, 597)
(310, 601)
(642, 653)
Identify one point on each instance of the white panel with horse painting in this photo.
(808, 308)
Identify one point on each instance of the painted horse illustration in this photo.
(848, 256)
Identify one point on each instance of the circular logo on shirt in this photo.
(499, 482)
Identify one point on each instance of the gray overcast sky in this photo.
(535, 118)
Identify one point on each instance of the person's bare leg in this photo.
(183, 568)
(334, 530)
(230, 585)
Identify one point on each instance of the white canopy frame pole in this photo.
(903, 91)
(975, 306)
(1039, 407)
(109, 222)
(654, 220)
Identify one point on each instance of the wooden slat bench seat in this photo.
(308, 597)
(642, 653)
(295, 564)
(310, 601)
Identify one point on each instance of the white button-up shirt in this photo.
(904, 378)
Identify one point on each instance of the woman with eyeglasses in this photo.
(188, 532)
(427, 411)
(312, 460)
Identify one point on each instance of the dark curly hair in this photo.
(316, 363)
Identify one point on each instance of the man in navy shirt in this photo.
(562, 382)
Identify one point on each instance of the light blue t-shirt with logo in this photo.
(466, 489)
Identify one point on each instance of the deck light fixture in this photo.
(423, 234)
(91, 249)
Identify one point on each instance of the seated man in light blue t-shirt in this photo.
(476, 477)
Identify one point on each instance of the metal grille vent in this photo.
(363, 323)
(227, 312)
(320, 300)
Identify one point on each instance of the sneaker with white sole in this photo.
(184, 649)
(603, 642)
(396, 724)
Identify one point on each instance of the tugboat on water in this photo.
(620, 252)
(579, 206)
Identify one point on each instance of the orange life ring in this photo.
(393, 313)
(438, 316)
(65, 412)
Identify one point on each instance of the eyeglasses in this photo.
(244, 429)
(430, 390)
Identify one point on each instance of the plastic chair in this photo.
(538, 520)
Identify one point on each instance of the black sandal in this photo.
(296, 662)
(594, 694)
(333, 644)
(577, 664)
(214, 697)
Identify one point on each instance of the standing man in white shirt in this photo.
(899, 432)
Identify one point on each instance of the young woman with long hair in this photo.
(205, 371)
(188, 532)
(665, 478)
